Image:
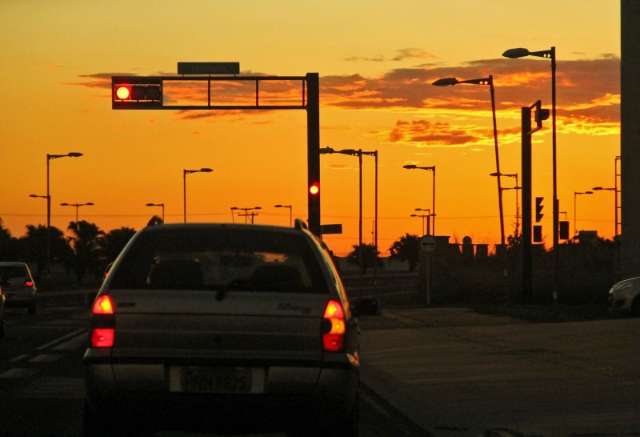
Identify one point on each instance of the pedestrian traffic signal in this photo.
(133, 92)
(539, 207)
(564, 230)
(537, 233)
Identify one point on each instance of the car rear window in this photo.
(220, 259)
(13, 274)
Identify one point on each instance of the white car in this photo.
(624, 296)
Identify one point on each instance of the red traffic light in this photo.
(123, 92)
(314, 189)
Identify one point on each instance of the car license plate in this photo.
(196, 379)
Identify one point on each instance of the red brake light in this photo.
(102, 337)
(28, 283)
(333, 339)
(103, 305)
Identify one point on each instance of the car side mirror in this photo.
(366, 306)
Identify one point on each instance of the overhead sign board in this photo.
(208, 68)
(331, 229)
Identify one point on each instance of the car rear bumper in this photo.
(290, 391)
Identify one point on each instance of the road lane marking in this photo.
(61, 339)
(18, 358)
(18, 373)
(45, 358)
(72, 344)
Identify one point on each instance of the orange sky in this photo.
(376, 60)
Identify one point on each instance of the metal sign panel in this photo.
(331, 229)
(428, 244)
(208, 68)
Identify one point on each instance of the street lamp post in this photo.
(450, 81)
(185, 172)
(77, 206)
(425, 224)
(516, 188)
(431, 168)
(616, 173)
(548, 54)
(427, 215)
(51, 156)
(575, 208)
(615, 204)
(290, 208)
(160, 205)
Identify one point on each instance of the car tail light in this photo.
(334, 327)
(102, 337)
(102, 305)
(103, 330)
(28, 283)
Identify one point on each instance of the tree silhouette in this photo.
(86, 247)
(369, 256)
(155, 220)
(407, 248)
(112, 243)
(34, 246)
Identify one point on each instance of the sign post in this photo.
(427, 248)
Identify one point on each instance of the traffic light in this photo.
(539, 207)
(537, 233)
(564, 230)
(133, 92)
(314, 189)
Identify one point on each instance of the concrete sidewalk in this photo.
(456, 372)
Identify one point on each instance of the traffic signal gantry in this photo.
(147, 92)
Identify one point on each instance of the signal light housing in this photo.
(136, 92)
(334, 327)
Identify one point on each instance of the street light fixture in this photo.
(548, 54)
(77, 206)
(290, 208)
(185, 172)
(51, 156)
(248, 212)
(160, 205)
(451, 81)
(358, 153)
(433, 196)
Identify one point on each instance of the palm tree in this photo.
(112, 243)
(34, 246)
(407, 248)
(86, 247)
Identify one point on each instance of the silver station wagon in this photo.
(223, 328)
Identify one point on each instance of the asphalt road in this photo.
(41, 385)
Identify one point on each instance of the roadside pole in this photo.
(427, 248)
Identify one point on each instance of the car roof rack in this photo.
(300, 225)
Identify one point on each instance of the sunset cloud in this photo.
(588, 91)
(424, 133)
(409, 53)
